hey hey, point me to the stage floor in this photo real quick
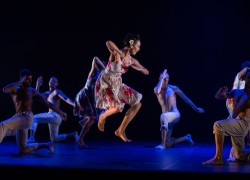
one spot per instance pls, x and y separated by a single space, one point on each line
114 157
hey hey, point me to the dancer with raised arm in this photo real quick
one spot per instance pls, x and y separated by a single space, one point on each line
166 95
111 93
85 106
23 95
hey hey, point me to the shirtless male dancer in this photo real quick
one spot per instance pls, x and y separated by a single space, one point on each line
166 95
23 95
54 120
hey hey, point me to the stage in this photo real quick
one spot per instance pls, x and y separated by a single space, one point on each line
114 158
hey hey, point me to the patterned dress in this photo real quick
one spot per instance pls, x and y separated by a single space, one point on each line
85 100
110 92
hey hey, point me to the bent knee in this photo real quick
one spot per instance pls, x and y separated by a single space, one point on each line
164 126
217 128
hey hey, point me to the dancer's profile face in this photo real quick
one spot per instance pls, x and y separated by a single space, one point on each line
53 82
135 47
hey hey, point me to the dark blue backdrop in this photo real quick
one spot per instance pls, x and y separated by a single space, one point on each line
201 43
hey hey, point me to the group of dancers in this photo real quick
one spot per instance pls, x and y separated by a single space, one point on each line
105 94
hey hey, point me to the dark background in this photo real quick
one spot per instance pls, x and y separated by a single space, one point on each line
201 43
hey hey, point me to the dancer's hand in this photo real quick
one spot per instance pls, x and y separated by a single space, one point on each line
223 89
39 81
165 72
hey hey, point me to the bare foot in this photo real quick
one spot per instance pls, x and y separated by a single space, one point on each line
160 147
82 144
190 141
51 147
213 162
31 140
122 136
232 159
101 122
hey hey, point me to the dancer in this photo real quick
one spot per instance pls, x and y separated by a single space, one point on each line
166 95
236 127
85 107
54 120
22 95
239 83
111 93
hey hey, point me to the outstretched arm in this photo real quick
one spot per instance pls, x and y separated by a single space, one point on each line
65 98
180 93
12 88
223 94
137 66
